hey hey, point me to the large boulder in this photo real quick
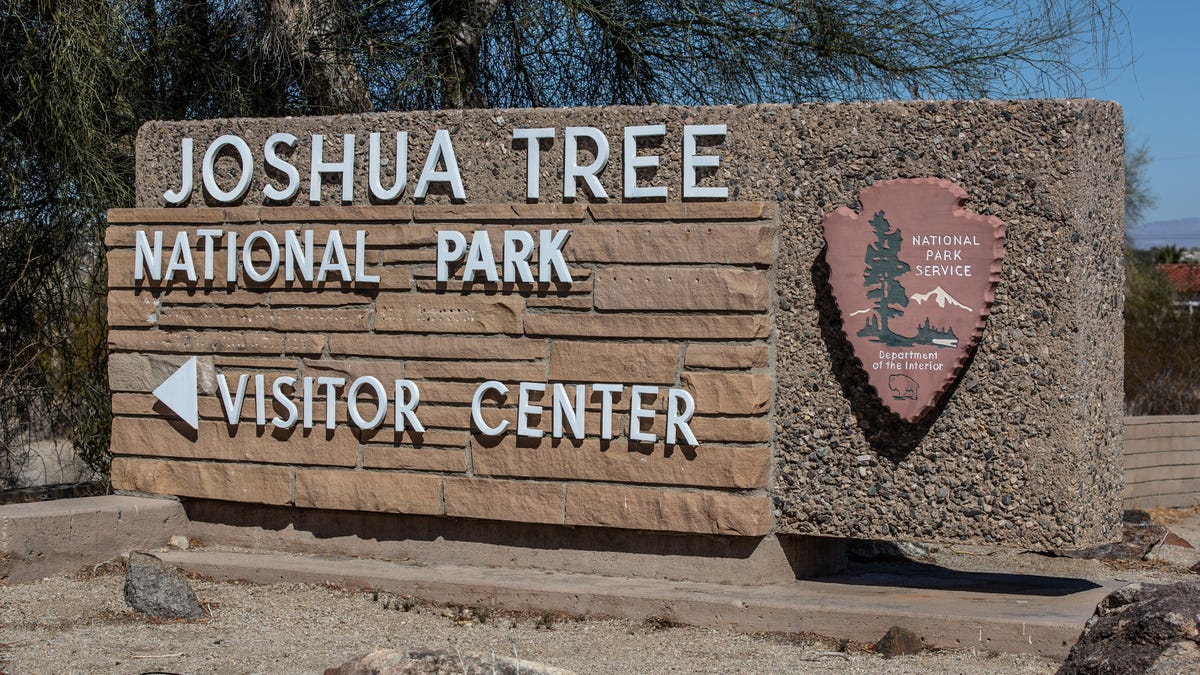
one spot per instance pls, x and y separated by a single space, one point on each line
156 588
430 662
1141 628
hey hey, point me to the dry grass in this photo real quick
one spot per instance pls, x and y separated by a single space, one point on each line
105 569
1166 516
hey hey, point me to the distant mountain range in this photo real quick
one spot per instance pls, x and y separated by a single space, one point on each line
940 296
1184 232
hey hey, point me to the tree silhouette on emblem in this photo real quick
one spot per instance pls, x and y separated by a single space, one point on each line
881 277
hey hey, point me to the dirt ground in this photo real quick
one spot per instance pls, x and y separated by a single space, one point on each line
80 624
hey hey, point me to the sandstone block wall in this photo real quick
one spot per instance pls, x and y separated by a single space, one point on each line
660 295
725 298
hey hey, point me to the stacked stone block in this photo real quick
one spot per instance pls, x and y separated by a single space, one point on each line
668 295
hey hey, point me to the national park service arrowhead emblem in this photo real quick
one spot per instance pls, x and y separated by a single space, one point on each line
914 276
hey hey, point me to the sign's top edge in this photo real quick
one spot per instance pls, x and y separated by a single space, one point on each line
450 114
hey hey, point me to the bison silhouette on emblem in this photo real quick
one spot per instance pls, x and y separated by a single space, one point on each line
902 387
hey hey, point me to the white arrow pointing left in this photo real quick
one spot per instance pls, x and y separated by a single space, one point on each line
178 392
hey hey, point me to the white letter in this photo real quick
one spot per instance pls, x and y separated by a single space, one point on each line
208 171
352 402
360 259
633 162
525 409
231 273
447 253
146 259
571 169
480 258
260 401
282 399
678 419
606 407
281 165
691 161
637 414
272 248
407 398
477 415
373 167
320 166
532 139
233 405
308 403
331 384
292 252
334 249
208 235
562 408
550 255
185 190
516 258
442 148
181 258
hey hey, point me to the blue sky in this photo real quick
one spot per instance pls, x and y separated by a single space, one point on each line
1160 93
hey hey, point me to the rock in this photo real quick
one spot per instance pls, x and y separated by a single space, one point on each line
1136 516
1176 540
1137 539
179 542
1180 658
1139 627
428 661
867 550
156 588
1178 556
899 642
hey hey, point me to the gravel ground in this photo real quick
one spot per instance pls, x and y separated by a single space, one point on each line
80 624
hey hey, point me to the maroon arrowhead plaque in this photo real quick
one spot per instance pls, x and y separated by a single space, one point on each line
914 276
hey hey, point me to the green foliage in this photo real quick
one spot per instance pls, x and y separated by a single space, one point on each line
198 59
77 80
514 53
1138 197
1167 255
1162 338
1162 344
64 164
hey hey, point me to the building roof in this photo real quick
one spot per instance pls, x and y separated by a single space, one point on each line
1185 277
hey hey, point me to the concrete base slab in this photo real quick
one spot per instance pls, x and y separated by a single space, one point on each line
1000 612
949 608
44 538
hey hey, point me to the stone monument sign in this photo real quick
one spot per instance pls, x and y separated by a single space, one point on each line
892 320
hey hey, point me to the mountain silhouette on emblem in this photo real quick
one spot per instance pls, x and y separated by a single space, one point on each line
940 296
